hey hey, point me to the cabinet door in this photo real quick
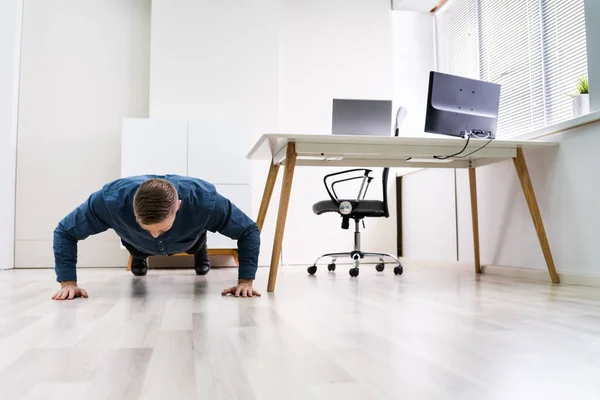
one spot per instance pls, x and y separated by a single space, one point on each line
240 196
153 147
217 151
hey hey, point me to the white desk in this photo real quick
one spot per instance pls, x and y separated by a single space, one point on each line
373 151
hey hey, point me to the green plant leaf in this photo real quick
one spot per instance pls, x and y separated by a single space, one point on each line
582 85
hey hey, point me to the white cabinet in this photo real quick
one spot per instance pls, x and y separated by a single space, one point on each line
211 150
153 147
217 152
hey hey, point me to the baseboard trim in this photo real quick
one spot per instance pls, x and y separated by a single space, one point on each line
515 272
566 278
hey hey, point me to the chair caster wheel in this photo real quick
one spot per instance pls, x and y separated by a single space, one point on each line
331 267
380 267
311 270
398 270
353 272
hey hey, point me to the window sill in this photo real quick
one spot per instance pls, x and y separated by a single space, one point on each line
560 127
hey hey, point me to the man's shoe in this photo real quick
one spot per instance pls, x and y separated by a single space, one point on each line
139 266
201 263
202 269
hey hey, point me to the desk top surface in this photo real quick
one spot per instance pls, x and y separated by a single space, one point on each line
386 151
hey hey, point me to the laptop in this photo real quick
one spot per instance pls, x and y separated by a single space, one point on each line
362 117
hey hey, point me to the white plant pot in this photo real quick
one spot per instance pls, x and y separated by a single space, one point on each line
581 105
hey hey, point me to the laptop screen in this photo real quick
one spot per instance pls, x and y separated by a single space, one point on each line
362 117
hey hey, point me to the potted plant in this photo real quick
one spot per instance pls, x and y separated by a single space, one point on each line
581 100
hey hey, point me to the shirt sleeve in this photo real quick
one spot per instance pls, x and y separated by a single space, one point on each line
230 221
87 219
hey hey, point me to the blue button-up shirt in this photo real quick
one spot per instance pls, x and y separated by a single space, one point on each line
202 209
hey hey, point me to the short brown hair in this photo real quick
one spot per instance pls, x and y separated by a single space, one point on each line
154 201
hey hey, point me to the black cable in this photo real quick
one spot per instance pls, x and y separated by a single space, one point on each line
483 135
455 154
475 151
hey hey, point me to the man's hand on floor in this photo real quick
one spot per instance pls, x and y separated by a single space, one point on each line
69 291
243 289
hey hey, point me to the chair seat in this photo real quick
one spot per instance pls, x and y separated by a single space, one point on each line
365 208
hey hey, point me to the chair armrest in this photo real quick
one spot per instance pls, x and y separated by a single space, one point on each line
346 180
330 187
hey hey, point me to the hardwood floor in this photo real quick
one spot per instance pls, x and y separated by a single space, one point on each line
432 333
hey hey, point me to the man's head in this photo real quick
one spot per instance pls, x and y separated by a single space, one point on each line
155 204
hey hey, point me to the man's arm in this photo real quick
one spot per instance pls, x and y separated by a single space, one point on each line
230 221
87 219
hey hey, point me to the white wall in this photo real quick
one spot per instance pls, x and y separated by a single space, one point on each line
219 61
592 16
414 58
10 46
428 205
331 49
215 60
428 217
84 67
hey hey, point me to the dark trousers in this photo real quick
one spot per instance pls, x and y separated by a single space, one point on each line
199 250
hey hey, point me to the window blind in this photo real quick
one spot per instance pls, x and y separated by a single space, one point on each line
565 52
536 49
456 32
511 55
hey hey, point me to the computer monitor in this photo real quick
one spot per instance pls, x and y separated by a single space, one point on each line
462 107
362 117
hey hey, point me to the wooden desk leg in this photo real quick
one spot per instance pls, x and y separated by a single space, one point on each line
286 188
267 193
475 217
129 263
236 258
534 210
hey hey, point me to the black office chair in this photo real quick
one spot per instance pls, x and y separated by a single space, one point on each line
357 209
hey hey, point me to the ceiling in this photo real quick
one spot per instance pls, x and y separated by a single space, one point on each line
414 5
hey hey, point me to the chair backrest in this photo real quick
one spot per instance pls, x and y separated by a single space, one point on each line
400 115
384 180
